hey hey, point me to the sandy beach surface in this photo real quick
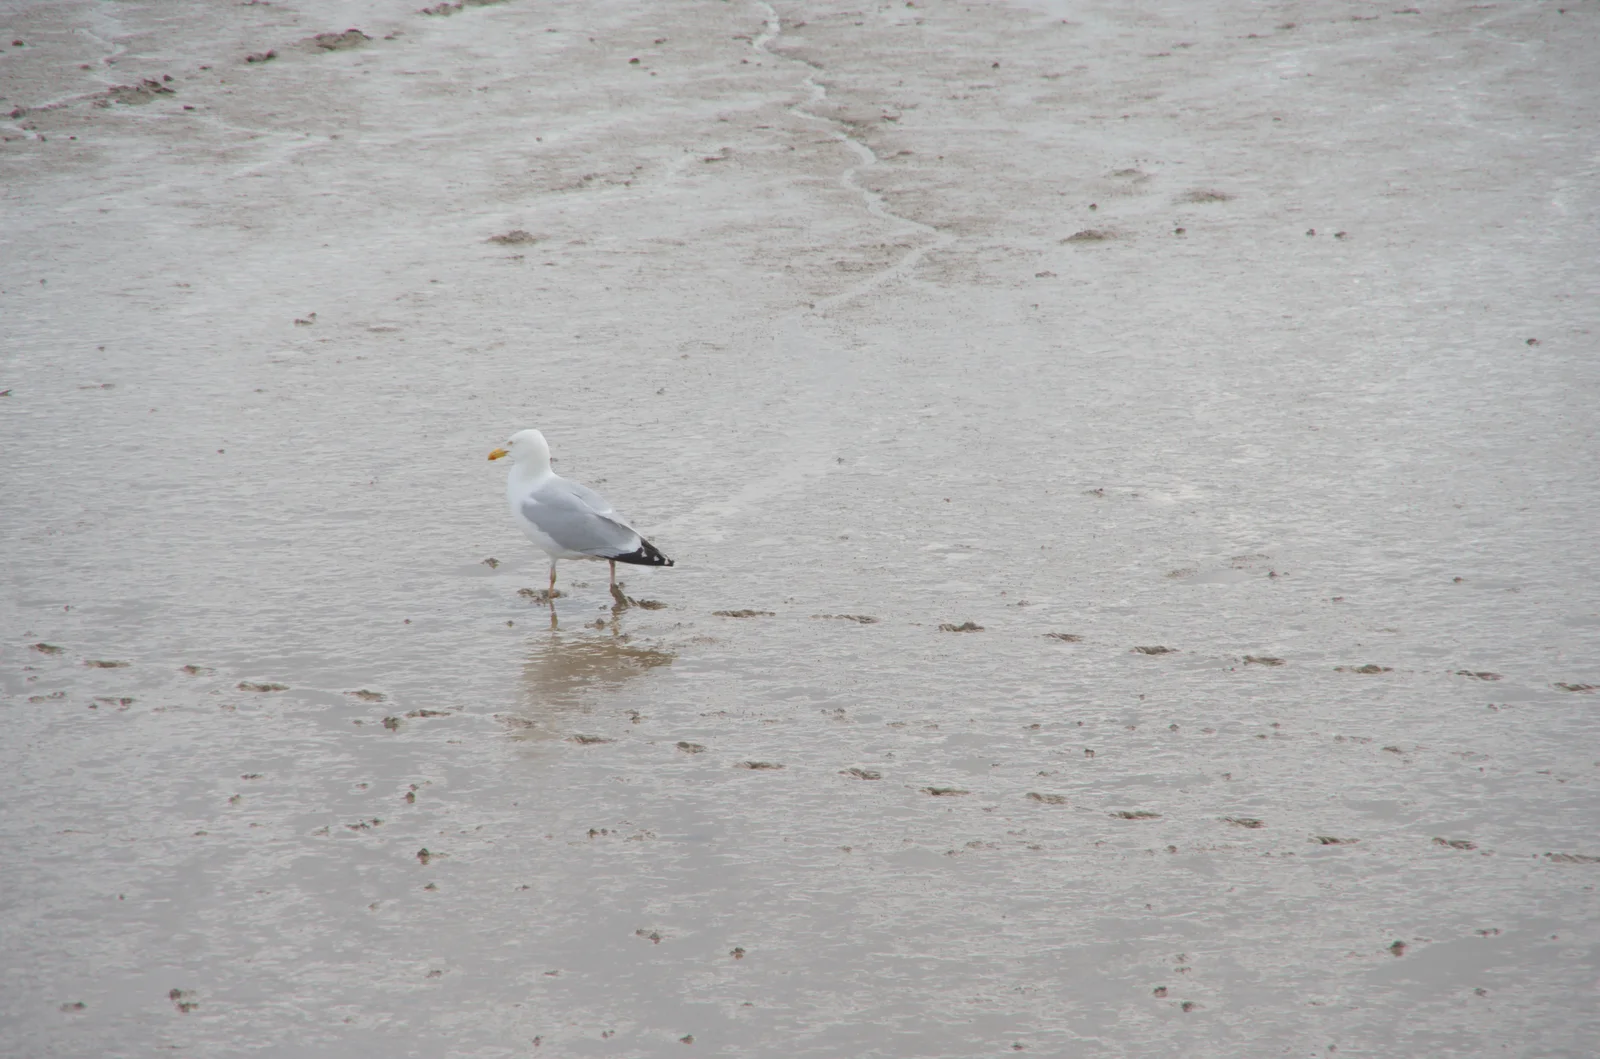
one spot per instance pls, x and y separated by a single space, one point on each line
1132 469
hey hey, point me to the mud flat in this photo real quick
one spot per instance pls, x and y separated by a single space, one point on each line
1226 376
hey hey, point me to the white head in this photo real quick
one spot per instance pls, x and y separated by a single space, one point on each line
528 449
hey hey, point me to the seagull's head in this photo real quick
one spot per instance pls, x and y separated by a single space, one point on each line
525 447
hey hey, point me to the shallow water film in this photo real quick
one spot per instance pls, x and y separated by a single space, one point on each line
1132 470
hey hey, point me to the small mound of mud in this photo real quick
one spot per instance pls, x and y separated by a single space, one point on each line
758 765
1047 799
1089 235
862 774
1455 843
1370 667
350 38
539 595
445 9
966 626
945 792
1064 637
646 604
195 671
859 619
45 648
515 237
1262 660
1244 821
96 663
1135 814
1206 195
1572 858
428 713
744 614
1156 649
589 740
246 685
1330 840
133 95
261 56
368 696
1478 676
690 748
1577 687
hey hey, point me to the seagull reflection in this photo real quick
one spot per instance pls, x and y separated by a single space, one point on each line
563 672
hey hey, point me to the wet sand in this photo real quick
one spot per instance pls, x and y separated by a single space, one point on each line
1132 472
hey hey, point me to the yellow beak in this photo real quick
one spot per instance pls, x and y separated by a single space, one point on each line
497 453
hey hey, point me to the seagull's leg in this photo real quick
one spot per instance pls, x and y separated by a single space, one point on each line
551 594
616 591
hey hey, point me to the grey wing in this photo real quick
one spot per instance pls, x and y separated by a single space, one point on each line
568 516
599 504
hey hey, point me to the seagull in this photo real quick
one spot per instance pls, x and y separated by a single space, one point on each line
567 520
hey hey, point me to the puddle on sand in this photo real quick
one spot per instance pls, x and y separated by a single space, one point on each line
567 671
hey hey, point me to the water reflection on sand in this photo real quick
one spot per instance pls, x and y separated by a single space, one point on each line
564 670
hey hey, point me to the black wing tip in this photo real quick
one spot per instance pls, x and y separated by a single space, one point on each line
647 554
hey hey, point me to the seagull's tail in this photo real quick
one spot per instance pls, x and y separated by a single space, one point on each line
646 554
